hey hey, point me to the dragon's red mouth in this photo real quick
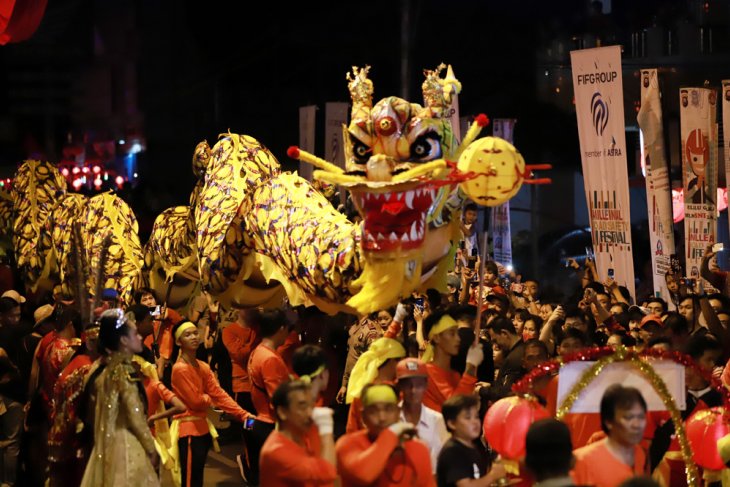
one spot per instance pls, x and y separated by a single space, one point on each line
394 220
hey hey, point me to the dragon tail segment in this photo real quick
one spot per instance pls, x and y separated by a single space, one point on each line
236 166
37 188
302 242
60 263
108 214
171 251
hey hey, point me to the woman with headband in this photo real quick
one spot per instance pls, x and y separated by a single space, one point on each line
124 451
191 433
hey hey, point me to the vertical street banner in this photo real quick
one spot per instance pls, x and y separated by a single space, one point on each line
726 128
658 191
307 121
698 132
335 117
599 106
499 218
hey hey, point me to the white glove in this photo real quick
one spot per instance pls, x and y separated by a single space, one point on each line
322 417
401 427
401 313
475 355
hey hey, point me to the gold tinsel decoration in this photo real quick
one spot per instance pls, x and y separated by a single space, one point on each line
624 355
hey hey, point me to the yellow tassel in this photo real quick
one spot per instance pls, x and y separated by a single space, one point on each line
337 178
310 158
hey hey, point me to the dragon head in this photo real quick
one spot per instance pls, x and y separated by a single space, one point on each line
394 152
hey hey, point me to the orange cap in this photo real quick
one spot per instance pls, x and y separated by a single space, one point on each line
649 318
410 367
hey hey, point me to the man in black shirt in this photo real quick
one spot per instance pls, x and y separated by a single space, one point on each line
464 460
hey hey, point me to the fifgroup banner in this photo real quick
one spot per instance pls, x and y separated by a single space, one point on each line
658 191
598 89
698 131
499 219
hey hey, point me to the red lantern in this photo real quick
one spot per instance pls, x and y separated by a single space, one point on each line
704 429
506 424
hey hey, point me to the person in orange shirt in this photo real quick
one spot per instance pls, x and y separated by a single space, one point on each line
267 371
386 453
191 433
443 344
376 366
292 456
164 320
609 462
240 339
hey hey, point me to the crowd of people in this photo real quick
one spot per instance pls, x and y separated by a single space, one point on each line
130 396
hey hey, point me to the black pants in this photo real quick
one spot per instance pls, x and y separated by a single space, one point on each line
198 450
255 439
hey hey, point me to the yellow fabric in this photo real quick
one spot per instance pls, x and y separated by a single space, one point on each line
444 324
175 452
379 393
183 328
162 427
366 368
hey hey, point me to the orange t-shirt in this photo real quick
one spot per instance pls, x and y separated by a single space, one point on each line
596 465
163 332
198 389
284 463
383 462
267 371
240 341
442 384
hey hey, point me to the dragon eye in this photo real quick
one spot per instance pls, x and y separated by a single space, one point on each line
361 152
427 147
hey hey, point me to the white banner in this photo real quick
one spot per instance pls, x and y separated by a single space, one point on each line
499 224
335 118
698 131
726 131
624 373
307 124
658 191
599 106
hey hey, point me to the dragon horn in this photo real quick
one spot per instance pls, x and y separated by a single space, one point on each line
361 92
438 93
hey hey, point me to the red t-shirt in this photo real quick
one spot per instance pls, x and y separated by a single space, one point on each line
240 341
442 384
383 462
284 463
267 371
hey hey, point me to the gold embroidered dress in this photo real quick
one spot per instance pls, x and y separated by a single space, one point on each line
122 439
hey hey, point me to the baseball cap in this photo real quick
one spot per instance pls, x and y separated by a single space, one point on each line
109 293
14 295
651 318
498 296
42 314
410 367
